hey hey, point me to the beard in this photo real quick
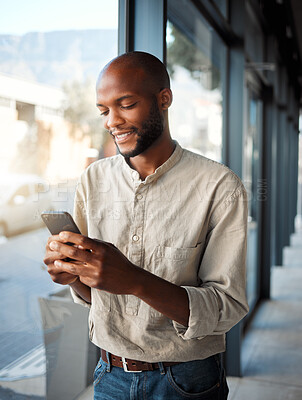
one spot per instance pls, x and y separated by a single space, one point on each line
151 130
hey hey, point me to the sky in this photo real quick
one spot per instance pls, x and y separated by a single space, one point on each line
21 16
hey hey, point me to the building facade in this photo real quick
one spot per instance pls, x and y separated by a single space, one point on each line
235 69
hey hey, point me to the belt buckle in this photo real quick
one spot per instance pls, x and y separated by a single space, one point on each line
125 366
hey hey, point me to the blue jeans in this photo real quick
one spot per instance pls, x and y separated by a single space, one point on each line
201 379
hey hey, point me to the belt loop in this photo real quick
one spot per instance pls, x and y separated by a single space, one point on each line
161 368
108 362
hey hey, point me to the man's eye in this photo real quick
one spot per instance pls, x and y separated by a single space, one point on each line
128 107
104 113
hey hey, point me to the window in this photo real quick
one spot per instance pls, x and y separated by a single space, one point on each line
222 6
256 188
196 60
50 130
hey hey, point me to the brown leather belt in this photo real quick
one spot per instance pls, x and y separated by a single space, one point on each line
132 365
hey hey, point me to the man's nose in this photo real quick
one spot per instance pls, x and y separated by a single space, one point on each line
113 120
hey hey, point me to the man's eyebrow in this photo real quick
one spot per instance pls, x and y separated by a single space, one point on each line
127 96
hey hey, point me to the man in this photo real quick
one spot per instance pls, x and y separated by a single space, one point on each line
165 275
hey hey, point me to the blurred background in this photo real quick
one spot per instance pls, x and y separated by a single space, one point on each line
236 76
50 131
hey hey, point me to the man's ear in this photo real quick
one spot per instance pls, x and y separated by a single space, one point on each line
165 98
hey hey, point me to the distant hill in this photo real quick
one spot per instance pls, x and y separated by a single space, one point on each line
58 56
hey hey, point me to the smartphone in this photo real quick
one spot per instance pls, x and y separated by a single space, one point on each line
58 221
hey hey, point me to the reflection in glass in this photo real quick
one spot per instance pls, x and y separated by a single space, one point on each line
195 60
50 130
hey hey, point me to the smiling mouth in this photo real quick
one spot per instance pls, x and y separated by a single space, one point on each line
122 136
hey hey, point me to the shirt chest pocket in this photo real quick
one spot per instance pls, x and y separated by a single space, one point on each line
176 265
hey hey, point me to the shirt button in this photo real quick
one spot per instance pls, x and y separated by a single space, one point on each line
139 196
135 175
135 238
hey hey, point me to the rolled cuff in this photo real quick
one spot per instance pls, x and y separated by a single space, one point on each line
204 314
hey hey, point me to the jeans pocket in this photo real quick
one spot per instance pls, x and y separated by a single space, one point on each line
196 379
99 372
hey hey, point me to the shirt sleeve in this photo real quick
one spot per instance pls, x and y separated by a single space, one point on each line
79 215
78 300
220 301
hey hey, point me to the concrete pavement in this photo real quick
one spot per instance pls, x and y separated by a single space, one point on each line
272 348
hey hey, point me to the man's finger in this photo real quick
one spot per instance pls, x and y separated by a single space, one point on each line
80 240
53 238
63 278
74 268
50 257
71 252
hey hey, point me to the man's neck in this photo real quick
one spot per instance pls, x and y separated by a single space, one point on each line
147 162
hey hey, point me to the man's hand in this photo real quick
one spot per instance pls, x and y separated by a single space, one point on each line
57 274
103 266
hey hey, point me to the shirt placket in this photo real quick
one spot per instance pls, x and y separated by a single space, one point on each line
136 234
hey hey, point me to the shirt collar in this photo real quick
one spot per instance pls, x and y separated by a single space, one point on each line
166 166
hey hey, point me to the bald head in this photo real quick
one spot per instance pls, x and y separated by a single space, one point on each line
150 69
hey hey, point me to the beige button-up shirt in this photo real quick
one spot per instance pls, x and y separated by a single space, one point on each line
185 223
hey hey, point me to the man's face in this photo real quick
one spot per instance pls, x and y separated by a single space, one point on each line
151 130
130 111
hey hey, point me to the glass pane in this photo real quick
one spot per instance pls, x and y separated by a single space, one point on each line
255 187
299 201
222 5
196 61
50 130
